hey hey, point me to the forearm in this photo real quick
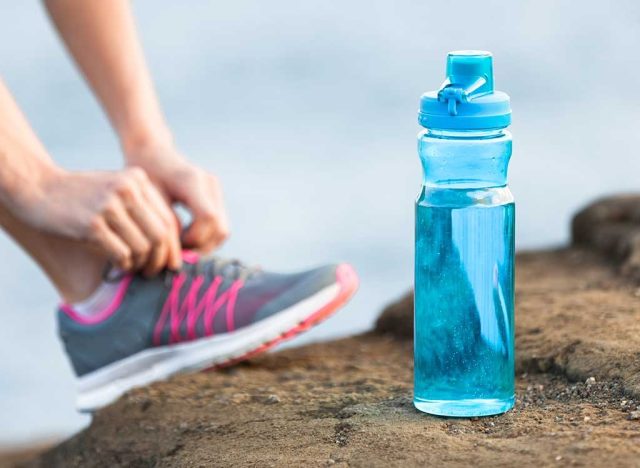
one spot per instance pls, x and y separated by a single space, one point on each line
101 36
24 162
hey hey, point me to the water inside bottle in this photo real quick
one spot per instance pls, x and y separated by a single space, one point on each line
464 305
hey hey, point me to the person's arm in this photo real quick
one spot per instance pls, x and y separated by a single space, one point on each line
121 214
102 38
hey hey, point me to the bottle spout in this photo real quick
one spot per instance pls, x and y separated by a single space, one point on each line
469 75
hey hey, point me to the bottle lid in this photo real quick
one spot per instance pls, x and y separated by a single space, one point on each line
466 100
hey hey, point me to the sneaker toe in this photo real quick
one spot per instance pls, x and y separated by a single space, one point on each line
303 286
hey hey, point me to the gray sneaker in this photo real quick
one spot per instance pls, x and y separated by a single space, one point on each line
211 313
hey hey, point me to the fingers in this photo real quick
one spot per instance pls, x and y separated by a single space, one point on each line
123 226
157 261
110 243
136 227
210 227
157 221
169 224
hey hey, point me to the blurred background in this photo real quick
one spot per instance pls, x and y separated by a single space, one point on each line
307 113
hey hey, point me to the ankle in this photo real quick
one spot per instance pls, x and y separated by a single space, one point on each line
99 301
75 275
75 289
74 269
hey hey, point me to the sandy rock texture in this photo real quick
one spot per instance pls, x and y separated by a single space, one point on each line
348 402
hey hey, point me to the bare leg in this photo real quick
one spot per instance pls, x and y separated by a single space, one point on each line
72 222
74 268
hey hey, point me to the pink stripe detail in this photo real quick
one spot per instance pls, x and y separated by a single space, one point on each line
190 309
231 304
215 306
190 256
170 304
176 318
106 312
346 277
210 309
197 309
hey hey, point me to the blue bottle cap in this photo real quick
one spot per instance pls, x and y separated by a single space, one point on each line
466 100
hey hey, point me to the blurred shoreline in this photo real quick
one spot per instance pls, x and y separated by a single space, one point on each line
15 455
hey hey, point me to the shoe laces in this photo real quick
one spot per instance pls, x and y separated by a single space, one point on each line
226 267
202 299
211 266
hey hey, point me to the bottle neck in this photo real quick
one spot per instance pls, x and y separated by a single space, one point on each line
465 134
465 158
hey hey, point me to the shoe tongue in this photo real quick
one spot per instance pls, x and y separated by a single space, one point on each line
233 269
111 274
229 270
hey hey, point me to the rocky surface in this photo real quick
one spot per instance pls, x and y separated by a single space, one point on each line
575 316
612 226
348 402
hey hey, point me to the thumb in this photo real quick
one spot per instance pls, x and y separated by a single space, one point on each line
209 226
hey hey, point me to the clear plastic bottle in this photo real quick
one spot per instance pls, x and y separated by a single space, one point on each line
464 253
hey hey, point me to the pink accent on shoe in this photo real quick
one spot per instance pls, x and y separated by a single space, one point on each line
105 313
210 310
229 296
190 256
176 318
231 304
191 309
346 277
171 303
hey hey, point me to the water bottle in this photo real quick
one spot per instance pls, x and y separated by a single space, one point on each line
464 252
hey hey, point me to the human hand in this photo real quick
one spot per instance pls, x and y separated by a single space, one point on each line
183 182
121 214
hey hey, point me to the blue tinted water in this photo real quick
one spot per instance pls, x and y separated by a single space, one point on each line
464 334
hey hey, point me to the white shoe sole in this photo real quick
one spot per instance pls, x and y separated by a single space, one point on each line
105 385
